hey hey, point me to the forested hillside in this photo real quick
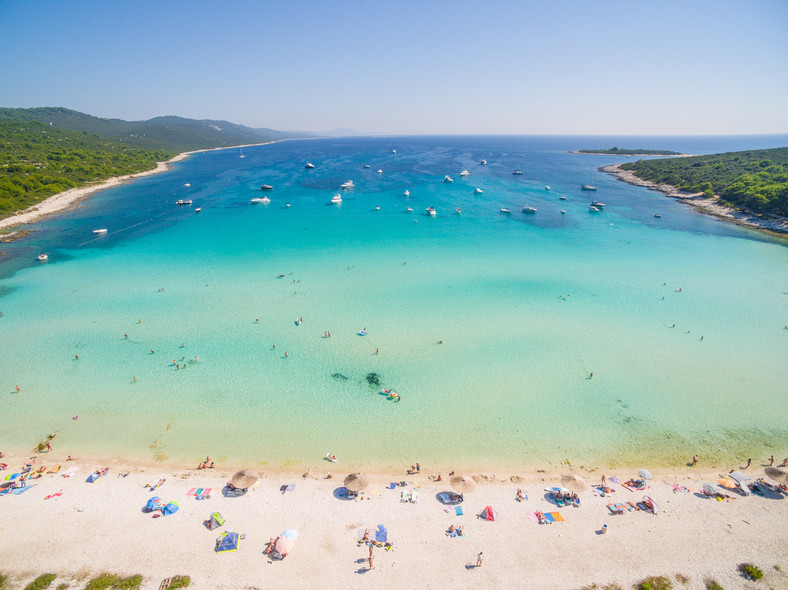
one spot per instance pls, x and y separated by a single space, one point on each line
38 160
756 179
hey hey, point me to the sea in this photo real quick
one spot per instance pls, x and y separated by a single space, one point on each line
266 335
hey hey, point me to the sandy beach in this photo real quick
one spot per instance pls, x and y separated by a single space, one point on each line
70 198
100 527
704 204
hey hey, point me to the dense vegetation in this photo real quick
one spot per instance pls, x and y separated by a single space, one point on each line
624 151
174 134
37 161
756 179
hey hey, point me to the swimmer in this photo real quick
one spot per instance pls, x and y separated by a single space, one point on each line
18 388
75 417
76 357
125 335
135 379
286 355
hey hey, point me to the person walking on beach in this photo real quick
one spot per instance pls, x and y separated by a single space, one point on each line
694 460
604 481
371 566
479 559
771 460
749 462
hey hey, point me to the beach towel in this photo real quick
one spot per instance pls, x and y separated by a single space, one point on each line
677 488
18 491
381 535
70 471
392 485
458 510
53 495
616 508
532 516
549 517
614 479
556 516
642 506
191 492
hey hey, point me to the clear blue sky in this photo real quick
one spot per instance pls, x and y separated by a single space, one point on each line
408 66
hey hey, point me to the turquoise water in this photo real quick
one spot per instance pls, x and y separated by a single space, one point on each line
487 325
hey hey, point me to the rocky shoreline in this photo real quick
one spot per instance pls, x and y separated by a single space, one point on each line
704 204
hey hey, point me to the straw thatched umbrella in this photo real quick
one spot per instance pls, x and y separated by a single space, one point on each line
356 482
574 483
244 478
462 483
778 475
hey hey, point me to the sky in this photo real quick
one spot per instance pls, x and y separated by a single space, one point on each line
408 66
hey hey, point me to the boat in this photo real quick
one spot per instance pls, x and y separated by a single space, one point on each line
242 153
657 215
183 202
547 187
465 173
100 231
587 187
563 212
448 178
198 210
260 200
266 187
187 185
478 191
431 211
597 204
406 193
377 207
528 209
331 457
562 198
336 199
43 257
287 205
506 211
593 209
309 165
380 171
518 172
348 184
408 209
484 162
366 166
393 151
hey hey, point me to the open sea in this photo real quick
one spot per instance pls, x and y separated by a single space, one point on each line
488 325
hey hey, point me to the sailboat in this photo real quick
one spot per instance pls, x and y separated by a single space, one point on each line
242 153
590 186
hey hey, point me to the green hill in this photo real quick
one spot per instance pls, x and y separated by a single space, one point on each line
38 160
755 179
175 134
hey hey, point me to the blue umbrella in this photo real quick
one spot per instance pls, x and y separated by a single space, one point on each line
645 473
290 534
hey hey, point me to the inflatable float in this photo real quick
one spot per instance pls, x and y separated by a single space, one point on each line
332 458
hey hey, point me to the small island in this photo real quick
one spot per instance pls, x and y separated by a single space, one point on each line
616 151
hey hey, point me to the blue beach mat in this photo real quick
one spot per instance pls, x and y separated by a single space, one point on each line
458 510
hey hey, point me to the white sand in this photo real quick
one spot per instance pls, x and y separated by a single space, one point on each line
100 527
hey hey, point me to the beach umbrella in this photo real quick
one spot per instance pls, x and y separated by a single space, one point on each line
284 545
290 534
574 483
356 482
462 483
244 478
170 508
739 476
645 473
726 483
778 475
710 489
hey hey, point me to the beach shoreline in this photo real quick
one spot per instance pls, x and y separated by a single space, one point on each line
777 226
101 527
72 197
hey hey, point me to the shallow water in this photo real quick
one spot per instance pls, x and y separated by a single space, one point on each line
489 326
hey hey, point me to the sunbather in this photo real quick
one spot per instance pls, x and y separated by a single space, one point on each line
270 547
520 496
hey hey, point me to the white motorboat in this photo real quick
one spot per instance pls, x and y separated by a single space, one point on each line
448 178
43 257
377 207
406 193
547 187
336 199
348 184
408 209
393 151
187 185
198 210
478 191
562 198
380 171
309 165
260 200
563 212
593 209
266 187
528 209
100 231
431 211
518 172
597 204
465 173
366 165
484 162
287 204
506 211
183 202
